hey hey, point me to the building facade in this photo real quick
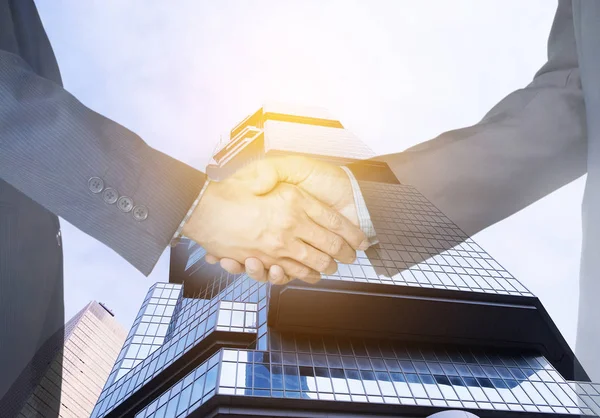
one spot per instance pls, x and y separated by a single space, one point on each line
423 322
92 340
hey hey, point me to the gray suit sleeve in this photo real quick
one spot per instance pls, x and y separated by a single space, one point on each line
528 145
51 145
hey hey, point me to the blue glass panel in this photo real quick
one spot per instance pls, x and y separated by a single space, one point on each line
184 400
262 376
277 377
197 390
171 407
211 379
292 380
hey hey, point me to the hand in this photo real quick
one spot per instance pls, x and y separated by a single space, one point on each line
328 183
285 227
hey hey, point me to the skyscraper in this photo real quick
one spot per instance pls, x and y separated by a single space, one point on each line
91 343
423 322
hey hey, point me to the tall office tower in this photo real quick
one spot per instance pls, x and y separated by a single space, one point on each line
92 341
424 322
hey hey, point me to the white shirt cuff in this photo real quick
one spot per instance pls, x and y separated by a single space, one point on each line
364 219
178 234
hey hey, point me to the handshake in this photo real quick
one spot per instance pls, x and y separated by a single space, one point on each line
278 219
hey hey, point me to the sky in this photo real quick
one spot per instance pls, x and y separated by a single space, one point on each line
396 73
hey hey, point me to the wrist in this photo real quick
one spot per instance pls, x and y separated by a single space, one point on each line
184 226
197 214
361 210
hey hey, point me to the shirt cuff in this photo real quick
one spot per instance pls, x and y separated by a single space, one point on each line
177 237
364 219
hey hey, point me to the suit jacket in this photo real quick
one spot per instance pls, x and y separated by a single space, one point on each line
531 143
528 145
59 158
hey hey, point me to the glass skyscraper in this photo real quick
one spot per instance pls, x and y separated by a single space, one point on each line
423 322
92 339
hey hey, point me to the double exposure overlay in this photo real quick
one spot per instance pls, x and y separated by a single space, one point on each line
422 322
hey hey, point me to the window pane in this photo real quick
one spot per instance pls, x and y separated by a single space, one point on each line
184 400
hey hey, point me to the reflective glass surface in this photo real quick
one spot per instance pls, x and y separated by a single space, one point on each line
384 372
149 328
418 246
239 305
187 394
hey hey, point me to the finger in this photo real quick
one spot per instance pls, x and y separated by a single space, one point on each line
327 242
262 176
295 270
333 221
310 257
277 275
278 281
256 269
211 259
231 266
290 169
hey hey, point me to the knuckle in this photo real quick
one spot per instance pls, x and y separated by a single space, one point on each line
323 262
290 194
335 220
277 242
335 245
302 272
287 222
303 255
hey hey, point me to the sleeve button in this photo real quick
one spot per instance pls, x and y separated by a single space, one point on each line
125 204
110 195
96 184
140 213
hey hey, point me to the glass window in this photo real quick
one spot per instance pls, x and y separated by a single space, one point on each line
161 412
334 361
349 362
319 360
211 380
184 400
172 407
307 378
407 366
435 368
228 374
400 384
460 387
430 386
546 393
322 378
291 376
445 387
533 393
385 384
355 382
363 363
338 379
277 377
378 364
368 378
415 386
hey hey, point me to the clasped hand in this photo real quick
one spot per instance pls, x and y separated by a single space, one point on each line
292 216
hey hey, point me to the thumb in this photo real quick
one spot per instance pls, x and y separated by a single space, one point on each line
264 179
272 171
260 178
264 175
